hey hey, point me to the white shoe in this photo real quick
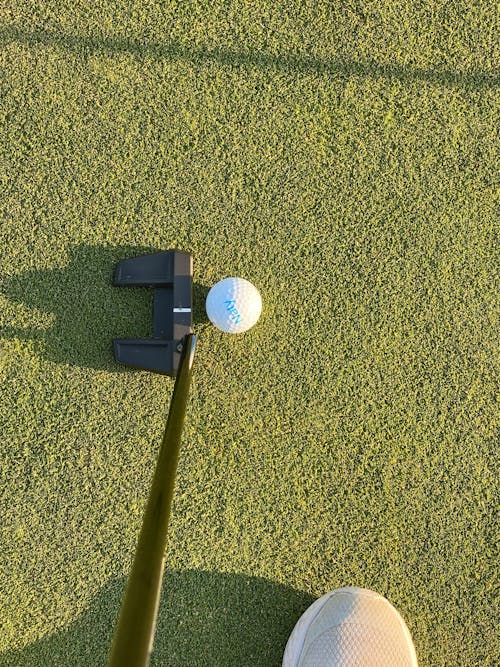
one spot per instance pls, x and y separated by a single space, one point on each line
350 627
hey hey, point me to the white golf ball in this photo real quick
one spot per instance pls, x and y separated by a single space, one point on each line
234 305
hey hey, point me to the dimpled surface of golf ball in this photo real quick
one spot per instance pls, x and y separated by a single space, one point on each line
234 305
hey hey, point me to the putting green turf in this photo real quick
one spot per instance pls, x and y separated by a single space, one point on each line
343 158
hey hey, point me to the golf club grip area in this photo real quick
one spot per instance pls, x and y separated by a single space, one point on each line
135 629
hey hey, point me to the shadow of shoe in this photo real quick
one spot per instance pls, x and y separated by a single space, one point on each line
206 619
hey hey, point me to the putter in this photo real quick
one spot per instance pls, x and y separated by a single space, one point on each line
170 274
135 629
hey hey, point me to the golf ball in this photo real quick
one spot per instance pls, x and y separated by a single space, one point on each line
234 305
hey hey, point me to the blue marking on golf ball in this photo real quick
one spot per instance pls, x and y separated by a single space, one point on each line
233 311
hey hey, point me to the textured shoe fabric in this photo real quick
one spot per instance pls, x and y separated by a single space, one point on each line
350 627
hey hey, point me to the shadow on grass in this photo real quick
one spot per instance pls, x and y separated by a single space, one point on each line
86 311
205 619
293 62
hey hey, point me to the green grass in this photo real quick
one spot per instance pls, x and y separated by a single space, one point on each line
342 157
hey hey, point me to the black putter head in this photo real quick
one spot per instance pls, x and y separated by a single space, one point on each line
170 273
